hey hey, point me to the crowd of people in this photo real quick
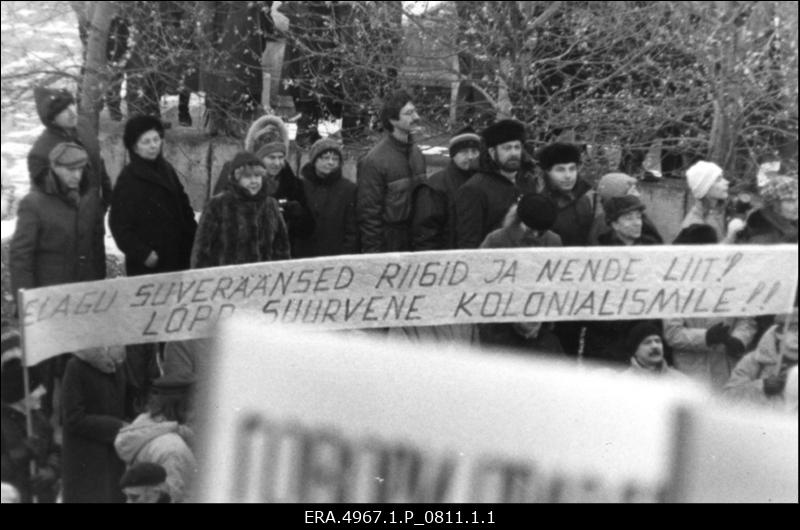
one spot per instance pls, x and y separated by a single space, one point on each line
126 413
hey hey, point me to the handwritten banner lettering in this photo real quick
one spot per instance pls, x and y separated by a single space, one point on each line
414 289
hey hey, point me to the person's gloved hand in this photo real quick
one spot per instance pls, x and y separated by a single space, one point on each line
774 384
717 334
734 347
293 209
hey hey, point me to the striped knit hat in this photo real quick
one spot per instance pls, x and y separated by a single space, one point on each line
464 139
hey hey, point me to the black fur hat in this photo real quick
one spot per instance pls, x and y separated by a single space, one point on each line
558 153
503 131
137 126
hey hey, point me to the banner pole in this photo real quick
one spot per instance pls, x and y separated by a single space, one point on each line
26 381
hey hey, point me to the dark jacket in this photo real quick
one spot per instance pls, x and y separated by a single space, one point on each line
434 213
94 412
290 195
576 211
39 161
766 227
59 236
387 175
19 450
484 200
512 335
605 340
237 228
150 211
332 201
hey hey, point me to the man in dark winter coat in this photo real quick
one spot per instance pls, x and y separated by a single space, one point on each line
506 173
332 200
387 176
575 198
433 221
59 115
151 218
59 237
241 224
94 412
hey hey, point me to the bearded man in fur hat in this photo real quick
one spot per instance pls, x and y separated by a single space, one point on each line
505 174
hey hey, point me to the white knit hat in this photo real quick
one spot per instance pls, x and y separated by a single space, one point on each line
701 177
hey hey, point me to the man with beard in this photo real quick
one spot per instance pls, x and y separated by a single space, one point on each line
432 225
387 175
506 173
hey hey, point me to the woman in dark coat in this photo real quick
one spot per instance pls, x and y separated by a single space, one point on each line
94 412
151 218
332 200
153 224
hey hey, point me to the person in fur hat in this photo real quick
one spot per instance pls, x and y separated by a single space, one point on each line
433 222
505 174
242 224
332 200
268 139
151 218
59 115
386 178
577 202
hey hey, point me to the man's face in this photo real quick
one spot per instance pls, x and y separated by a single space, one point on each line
408 119
466 159
563 176
507 156
70 178
628 226
274 163
67 118
142 494
650 352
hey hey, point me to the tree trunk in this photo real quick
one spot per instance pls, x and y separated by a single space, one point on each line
95 78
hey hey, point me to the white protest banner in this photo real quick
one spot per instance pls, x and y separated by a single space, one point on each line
325 417
735 455
416 289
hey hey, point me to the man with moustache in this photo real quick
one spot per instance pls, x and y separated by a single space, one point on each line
506 173
433 221
386 178
645 346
